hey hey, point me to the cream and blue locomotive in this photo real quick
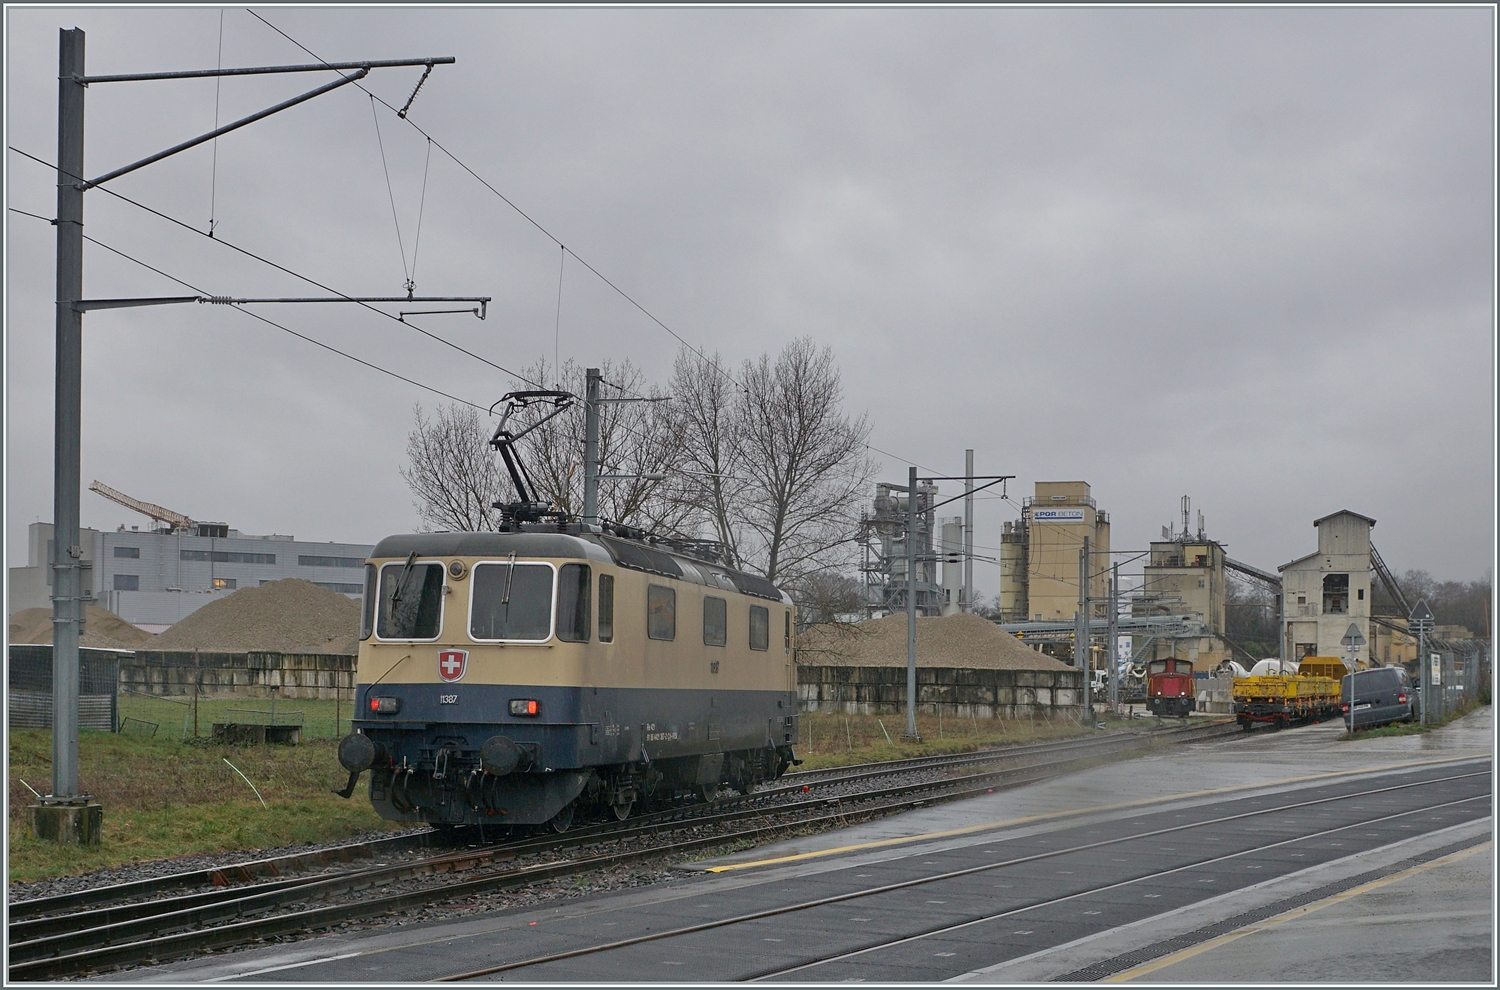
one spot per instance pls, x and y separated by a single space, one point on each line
522 677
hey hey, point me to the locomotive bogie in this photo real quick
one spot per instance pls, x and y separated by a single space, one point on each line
511 678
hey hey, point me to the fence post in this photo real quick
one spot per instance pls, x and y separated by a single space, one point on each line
197 679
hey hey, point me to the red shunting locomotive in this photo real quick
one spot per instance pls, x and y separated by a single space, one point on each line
1170 692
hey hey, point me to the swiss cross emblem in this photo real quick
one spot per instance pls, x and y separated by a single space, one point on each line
451 664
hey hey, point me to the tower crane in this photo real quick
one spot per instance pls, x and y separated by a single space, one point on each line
175 519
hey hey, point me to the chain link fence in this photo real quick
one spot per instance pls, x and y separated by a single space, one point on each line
28 702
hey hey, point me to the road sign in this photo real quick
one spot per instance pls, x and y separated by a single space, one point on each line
1353 637
1422 616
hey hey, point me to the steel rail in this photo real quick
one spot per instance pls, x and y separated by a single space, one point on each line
55 936
31 959
222 876
1101 888
217 876
969 871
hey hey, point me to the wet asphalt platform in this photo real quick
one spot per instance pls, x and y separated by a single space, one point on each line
1272 857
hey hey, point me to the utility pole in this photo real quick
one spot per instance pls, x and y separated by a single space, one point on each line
1081 631
966 602
65 815
1422 618
67 554
1114 637
591 448
911 605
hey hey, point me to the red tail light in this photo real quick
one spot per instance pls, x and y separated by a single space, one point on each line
525 706
385 706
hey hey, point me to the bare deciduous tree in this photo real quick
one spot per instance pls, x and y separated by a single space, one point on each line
707 416
452 471
804 460
769 465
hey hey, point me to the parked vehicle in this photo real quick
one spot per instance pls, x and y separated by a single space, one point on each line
1378 696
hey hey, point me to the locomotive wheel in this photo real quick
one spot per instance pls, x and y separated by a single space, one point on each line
564 818
622 811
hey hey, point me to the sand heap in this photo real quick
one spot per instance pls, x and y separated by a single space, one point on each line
963 641
101 629
287 616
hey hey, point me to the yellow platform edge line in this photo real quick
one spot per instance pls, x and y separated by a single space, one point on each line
1213 943
969 829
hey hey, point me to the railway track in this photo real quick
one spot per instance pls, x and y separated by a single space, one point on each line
154 920
806 967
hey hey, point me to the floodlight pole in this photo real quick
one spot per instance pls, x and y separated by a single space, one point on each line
67 554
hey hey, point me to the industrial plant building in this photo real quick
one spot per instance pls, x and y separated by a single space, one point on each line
1327 591
1040 554
153 578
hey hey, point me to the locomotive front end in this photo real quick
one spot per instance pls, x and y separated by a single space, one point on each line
468 699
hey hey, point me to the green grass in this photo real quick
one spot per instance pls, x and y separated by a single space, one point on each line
832 739
173 716
163 797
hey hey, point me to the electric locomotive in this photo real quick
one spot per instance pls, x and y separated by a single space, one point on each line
1170 692
522 676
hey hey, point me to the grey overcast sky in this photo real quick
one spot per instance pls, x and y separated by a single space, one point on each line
1246 255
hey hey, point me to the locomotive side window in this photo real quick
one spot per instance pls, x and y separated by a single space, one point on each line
411 601
512 602
760 628
606 608
367 607
661 612
573 603
786 643
715 621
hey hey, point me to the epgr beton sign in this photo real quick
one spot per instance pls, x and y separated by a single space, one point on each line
1056 515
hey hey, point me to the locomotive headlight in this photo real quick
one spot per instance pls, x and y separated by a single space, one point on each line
525 706
385 706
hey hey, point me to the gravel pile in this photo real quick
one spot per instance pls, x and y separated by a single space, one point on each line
964 641
287 616
101 629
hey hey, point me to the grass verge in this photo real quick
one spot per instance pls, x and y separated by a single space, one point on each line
164 797
832 739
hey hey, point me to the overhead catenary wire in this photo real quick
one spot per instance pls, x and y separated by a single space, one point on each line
288 271
213 185
390 192
697 351
327 347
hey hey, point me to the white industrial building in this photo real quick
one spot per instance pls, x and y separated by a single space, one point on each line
1324 592
155 577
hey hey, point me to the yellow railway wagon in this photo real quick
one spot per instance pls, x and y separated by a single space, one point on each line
1311 694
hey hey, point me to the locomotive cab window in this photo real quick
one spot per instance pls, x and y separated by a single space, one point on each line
367 606
573 603
606 608
760 628
715 621
511 602
661 612
786 642
411 601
